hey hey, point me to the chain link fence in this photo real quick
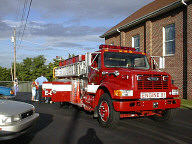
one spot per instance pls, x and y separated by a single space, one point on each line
24 86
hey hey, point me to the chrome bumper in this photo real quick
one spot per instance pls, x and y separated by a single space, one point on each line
15 129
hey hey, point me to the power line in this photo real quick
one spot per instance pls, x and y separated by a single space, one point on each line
25 22
22 19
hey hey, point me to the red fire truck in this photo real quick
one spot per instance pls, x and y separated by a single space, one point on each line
114 82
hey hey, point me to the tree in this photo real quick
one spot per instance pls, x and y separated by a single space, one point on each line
30 69
38 66
70 56
49 71
5 74
24 69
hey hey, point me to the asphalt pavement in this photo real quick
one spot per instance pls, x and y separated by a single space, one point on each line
75 126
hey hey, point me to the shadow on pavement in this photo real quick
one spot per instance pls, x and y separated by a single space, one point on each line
43 121
68 136
90 138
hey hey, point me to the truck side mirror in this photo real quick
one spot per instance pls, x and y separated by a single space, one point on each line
88 59
161 62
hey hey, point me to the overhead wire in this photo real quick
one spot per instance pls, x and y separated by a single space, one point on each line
21 21
25 23
22 26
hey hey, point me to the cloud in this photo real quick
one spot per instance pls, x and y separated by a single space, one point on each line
80 9
7 8
59 26
66 44
54 34
5 59
59 30
94 9
5 30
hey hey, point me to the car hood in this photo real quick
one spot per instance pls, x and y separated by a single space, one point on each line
8 107
4 88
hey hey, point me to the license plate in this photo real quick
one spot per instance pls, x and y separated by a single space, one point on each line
145 95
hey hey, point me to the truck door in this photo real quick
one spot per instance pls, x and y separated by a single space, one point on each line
95 76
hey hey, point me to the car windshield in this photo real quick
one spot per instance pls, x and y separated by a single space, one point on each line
125 60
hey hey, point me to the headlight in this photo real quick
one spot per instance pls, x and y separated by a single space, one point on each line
10 119
123 92
175 92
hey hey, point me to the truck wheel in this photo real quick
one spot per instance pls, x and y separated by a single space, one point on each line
166 116
107 116
63 105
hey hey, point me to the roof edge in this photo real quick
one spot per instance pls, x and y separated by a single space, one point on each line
141 19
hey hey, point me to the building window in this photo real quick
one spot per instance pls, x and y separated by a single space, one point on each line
169 40
136 42
112 43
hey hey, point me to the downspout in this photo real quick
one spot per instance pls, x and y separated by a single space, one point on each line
185 56
119 35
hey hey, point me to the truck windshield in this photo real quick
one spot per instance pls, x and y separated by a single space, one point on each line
125 60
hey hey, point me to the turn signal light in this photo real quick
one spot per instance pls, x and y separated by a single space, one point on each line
117 93
123 92
11 92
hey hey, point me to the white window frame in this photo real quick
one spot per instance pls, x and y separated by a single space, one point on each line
164 40
133 42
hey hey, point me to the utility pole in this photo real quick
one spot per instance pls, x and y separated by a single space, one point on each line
14 53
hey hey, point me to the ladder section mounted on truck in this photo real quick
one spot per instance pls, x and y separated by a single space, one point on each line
74 67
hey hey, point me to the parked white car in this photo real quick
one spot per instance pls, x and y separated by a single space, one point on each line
15 118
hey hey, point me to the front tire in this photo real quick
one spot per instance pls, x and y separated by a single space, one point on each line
107 117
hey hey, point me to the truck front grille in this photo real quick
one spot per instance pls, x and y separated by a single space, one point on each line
147 83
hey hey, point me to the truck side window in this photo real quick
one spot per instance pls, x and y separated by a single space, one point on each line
99 61
139 62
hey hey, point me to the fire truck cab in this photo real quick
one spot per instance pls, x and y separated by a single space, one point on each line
114 82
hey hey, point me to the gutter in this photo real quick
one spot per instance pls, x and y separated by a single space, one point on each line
150 15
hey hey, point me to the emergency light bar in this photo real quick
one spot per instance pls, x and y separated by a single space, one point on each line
116 47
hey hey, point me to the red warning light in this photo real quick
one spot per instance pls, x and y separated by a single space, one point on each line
116 47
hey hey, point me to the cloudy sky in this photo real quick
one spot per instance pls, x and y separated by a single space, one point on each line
58 27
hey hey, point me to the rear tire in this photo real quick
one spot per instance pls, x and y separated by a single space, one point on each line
165 117
107 116
61 104
64 105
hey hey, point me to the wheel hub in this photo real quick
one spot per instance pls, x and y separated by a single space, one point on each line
104 111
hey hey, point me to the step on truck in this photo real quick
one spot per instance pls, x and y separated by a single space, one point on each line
114 82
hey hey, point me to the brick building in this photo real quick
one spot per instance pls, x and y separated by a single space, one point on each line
161 28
